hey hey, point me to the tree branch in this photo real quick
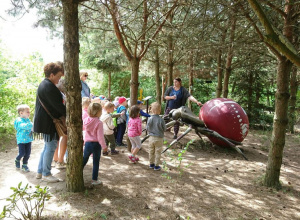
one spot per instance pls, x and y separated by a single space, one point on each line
158 29
114 13
276 8
273 37
261 36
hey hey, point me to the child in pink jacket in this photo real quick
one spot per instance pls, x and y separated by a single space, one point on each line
134 132
94 139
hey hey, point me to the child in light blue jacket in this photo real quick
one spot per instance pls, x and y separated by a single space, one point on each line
23 125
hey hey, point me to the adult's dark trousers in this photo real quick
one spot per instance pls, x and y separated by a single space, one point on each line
24 151
121 128
95 149
176 125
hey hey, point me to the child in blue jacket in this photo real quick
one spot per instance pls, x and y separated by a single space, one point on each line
23 125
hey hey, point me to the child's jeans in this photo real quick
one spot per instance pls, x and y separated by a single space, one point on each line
121 128
155 148
24 151
95 149
110 139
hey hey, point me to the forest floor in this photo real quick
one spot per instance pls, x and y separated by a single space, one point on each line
215 183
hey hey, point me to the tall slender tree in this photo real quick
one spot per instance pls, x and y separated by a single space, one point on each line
74 173
135 30
281 45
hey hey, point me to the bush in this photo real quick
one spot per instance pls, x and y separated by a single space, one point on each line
28 204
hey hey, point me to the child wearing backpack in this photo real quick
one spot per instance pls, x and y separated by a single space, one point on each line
94 139
108 127
23 125
121 121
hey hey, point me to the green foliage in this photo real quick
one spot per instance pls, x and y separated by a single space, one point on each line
26 202
119 87
18 84
102 64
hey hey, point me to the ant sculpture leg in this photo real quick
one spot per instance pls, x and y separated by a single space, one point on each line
178 139
207 132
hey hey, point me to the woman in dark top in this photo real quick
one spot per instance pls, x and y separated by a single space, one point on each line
51 98
176 97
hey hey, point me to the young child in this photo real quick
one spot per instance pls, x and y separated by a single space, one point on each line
23 125
121 121
156 127
94 139
134 132
108 127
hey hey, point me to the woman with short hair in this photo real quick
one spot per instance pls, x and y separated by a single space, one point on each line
49 97
176 97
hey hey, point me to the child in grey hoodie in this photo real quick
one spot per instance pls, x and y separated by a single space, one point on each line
156 127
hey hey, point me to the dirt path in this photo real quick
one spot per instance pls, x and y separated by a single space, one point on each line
216 183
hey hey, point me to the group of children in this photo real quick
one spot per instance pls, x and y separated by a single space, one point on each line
104 124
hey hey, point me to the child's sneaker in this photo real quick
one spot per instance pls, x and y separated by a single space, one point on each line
60 165
132 158
157 168
25 168
137 159
121 145
151 166
105 153
17 163
53 163
96 182
114 152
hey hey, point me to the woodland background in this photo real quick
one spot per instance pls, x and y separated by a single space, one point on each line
243 50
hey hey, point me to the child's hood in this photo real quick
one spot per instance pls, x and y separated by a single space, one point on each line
91 122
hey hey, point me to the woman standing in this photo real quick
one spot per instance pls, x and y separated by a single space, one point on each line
176 97
49 97
85 91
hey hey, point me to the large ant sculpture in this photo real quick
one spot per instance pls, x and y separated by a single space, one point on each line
185 116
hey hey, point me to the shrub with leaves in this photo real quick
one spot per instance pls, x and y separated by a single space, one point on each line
26 203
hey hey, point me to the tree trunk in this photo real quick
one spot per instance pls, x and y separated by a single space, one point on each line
191 80
163 86
170 61
250 94
134 82
233 86
257 94
74 175
279 124
229 56
220 74
220 64
157 79
293 99
109 85
282 95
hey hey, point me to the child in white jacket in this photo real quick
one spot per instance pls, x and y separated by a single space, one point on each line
108 127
